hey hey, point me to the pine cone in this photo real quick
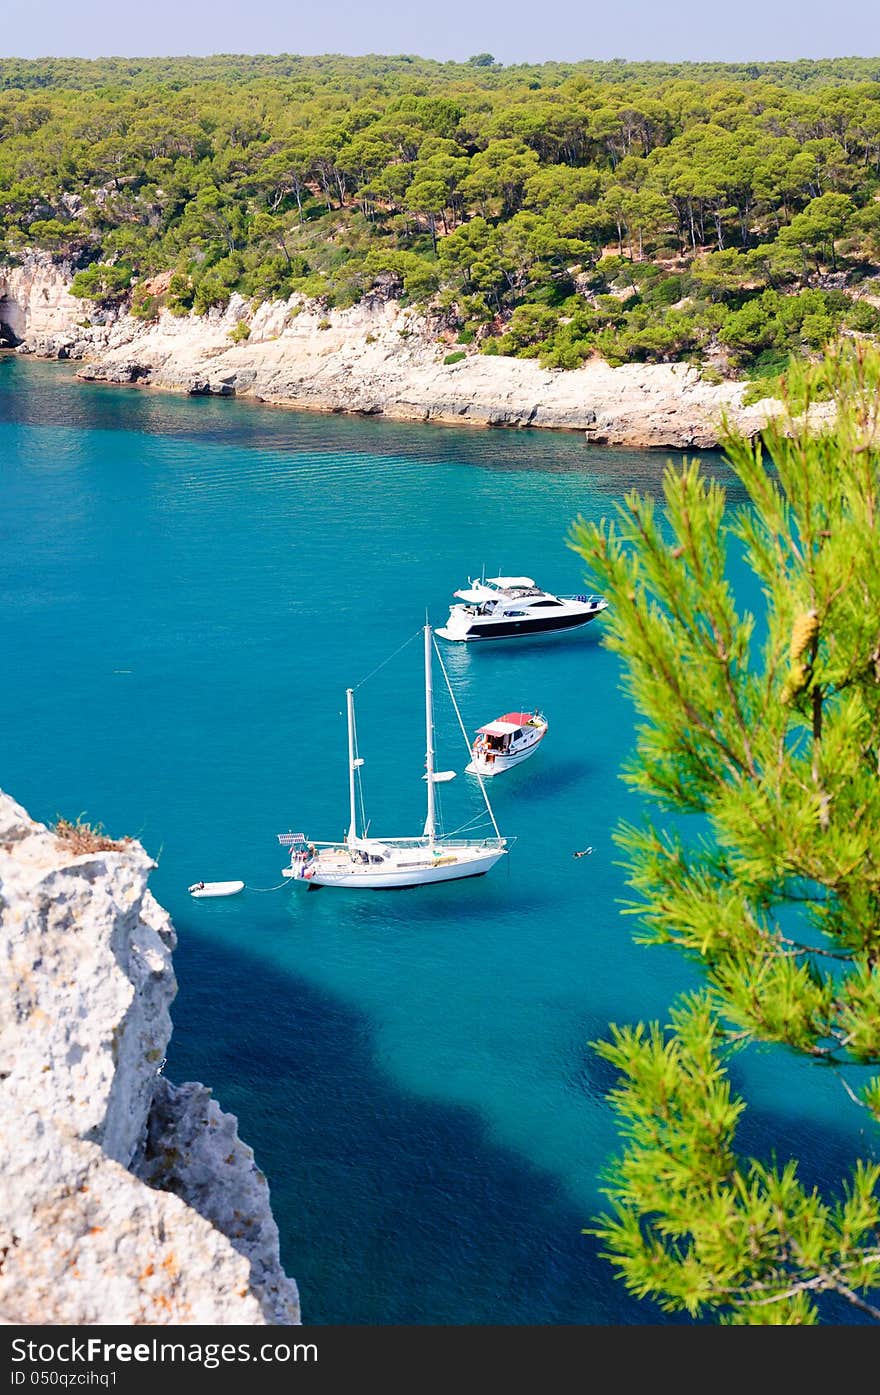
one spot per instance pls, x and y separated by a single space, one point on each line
795 682
803 632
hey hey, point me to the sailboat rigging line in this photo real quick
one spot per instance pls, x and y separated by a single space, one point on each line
465 735
379 667
469 825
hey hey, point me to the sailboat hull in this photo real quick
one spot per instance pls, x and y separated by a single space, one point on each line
340 870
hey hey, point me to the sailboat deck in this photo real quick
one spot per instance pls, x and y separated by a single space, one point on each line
490 841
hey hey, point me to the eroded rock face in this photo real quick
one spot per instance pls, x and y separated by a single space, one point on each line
96 1223
379 359
375 358
193 1150
87 1243
40 315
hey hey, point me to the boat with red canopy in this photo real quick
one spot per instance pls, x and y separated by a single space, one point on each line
506 742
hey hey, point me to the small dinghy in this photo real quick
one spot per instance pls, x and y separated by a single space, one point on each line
215 888
506 742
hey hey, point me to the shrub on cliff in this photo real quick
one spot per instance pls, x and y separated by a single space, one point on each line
418 277
56 235
180 294
79 836
210 294
101 282
145 306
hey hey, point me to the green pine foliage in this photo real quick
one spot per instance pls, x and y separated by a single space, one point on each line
761 734
101 281
643 212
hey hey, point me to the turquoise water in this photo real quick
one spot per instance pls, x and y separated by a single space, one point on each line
187 589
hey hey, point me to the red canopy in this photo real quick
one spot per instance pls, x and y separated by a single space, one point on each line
502 726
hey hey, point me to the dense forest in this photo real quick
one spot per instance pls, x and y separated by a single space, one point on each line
728 214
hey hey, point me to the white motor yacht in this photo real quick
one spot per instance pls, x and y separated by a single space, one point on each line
504 607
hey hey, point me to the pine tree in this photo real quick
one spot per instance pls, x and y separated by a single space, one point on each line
767 729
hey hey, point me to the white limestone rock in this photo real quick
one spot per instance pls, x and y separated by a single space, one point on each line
378 358
85 1242
41 315
375 358
86 981
193 1149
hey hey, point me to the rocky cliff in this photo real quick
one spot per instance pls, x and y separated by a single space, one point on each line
123 1198
38 313
376 358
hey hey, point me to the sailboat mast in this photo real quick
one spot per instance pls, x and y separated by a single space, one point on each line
430 820
352 826
480 781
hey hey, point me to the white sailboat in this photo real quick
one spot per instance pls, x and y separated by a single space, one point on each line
361 862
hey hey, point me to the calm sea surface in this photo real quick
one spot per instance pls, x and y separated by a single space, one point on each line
186 590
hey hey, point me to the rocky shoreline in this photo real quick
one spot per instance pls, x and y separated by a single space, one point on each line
124 1199
375 359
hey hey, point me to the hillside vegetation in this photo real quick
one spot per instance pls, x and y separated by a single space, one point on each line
643 212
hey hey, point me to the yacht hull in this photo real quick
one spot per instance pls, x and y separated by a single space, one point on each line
480 766
511 629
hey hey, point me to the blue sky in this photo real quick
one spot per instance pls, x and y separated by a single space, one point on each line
513 30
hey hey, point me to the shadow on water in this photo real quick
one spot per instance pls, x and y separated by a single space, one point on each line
550 781
458 1231
589 1073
